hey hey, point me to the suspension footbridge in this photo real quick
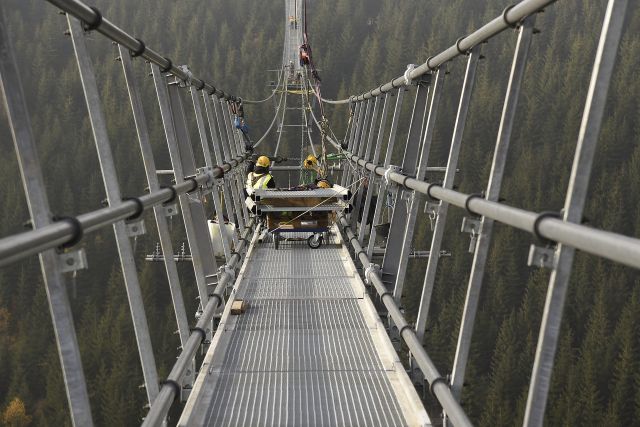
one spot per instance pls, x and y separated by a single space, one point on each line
293 333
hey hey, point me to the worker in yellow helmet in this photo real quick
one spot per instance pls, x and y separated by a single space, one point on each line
260 178
311 162
323 183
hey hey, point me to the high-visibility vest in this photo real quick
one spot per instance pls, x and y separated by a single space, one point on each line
258 181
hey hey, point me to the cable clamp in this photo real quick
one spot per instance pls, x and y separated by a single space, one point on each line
140 50
407 74
372 268
95 22
177 388
387 174
77 230
208 172
225 269
185 69
436 381
543 254
71 261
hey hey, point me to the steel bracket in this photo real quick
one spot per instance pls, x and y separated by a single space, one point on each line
171 210
543 257
135 228
372 268
73 260
206 171
473 227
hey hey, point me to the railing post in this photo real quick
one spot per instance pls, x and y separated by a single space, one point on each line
449 178
229 178
355 124
364 151
493 193
236 178
391 260
441 209
209 163
355 110
372 176
160 212
39 210
112 190
223 184
162 92
573 209
202 248
382 193
416 198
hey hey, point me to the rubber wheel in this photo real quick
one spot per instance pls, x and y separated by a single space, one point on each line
314 241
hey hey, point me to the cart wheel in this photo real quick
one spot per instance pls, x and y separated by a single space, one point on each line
314 241
276 240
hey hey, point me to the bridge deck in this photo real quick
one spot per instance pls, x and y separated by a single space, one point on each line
310 349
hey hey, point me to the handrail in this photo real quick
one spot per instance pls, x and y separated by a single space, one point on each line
93 20
510 17
19 246
437 384
605 244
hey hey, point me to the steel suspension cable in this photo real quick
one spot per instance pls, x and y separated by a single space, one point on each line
275 116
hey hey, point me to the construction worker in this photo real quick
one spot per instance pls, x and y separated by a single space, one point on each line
309 171
311 162
323 183
260 178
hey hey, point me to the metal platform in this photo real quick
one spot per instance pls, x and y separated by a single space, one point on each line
309 350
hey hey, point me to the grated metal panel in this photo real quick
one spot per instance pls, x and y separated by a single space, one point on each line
301 314
296 262
315 398
335 287
303 353
270 350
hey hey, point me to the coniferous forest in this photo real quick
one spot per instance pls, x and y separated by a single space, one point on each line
357 45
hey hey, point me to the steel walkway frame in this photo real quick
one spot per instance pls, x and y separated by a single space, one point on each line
310 342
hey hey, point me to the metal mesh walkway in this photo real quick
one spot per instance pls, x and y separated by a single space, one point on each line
309 350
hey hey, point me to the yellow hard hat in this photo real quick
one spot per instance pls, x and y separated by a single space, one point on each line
311 161
323 183
263 161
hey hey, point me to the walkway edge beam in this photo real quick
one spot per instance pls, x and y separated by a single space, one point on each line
168 391
508 19
19 246
437 384
92 17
